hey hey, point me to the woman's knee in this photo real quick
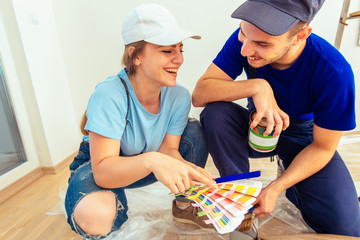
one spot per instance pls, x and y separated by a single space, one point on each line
95 213
193 129
192 145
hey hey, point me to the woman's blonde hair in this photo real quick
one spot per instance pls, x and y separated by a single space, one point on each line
128 59
128 62
83 123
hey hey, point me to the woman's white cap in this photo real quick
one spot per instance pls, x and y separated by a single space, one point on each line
154 24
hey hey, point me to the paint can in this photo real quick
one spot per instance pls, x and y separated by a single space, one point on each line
257 140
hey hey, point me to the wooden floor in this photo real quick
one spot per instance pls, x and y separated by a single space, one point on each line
27 215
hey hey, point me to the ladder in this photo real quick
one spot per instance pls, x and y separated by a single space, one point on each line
342 22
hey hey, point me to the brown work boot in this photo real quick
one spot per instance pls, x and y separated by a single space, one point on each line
189 215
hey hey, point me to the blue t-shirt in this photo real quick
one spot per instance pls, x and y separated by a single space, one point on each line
145 131
319 86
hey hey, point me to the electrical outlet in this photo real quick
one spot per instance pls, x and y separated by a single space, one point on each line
33 18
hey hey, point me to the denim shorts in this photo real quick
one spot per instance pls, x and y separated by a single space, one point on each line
81 182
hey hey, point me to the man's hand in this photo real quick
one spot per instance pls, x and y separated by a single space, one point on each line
266 201
266 107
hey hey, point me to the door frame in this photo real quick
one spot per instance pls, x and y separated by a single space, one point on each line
19 110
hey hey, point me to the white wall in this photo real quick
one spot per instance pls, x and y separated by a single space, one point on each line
69 46
44 57
90 37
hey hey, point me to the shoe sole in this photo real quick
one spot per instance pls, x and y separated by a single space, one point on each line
182 220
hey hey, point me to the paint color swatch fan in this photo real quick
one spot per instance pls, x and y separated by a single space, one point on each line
226 205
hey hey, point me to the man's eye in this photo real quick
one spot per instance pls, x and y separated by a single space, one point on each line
165 51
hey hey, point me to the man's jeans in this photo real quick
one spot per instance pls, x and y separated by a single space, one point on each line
327 199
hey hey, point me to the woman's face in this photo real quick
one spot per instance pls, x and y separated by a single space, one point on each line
160 64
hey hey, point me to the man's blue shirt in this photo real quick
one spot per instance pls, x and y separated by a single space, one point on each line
319 86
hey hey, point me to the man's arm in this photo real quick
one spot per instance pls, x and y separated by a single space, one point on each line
309 161
216 85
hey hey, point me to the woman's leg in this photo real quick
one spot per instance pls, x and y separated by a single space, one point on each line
192 145
193 149
93 212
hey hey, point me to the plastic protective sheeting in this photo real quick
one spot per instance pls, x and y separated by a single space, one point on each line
60 207
150 217
287 213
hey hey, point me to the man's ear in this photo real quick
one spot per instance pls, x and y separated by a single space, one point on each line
302 35
130 52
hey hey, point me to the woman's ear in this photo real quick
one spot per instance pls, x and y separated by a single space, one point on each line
136 59
302 35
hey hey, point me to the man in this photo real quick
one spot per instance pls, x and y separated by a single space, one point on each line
301 85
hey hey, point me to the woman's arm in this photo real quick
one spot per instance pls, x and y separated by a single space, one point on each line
170 147
114 171
111 170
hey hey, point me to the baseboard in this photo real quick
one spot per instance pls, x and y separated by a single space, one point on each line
347 133
60 166
20 184
32 177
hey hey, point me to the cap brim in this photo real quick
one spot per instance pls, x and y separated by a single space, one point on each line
172 37
265 17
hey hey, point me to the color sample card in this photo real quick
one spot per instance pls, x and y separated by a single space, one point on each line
226 205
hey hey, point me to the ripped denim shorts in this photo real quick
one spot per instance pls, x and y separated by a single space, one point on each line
82 183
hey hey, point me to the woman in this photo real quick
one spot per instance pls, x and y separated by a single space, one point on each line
138 130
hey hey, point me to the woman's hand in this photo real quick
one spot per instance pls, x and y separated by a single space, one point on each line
266 107
175 174
204 172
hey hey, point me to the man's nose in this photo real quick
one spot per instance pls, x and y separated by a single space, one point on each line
247 49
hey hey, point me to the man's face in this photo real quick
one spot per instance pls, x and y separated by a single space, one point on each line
262 49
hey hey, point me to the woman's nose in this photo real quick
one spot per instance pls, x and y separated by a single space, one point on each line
178 58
